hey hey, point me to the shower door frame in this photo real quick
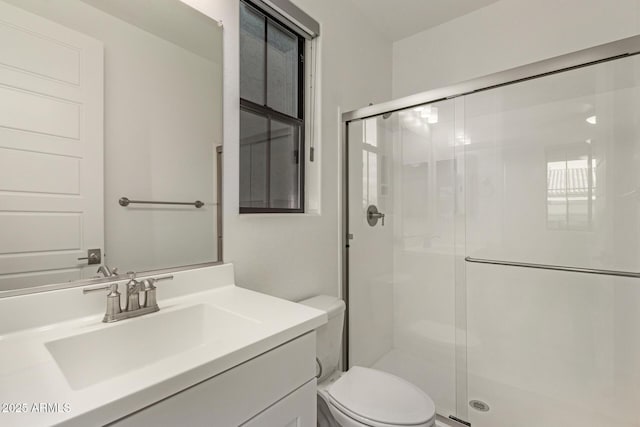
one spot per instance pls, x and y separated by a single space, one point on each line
619 49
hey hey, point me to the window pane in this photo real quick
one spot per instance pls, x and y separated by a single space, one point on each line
253 160
251 54
285 166
282 70
556 194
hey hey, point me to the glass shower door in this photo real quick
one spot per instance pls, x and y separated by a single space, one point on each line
402 267
543 173
552 178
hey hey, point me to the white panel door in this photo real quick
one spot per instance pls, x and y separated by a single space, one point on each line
51 150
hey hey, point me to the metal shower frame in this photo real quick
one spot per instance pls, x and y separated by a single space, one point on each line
619 49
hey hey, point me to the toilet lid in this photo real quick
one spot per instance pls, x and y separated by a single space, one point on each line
381 397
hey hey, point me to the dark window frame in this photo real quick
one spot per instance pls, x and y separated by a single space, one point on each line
270 113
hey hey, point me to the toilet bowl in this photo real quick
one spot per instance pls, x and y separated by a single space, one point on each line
368 397
361 397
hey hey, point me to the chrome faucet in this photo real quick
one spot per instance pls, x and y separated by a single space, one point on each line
106 271
132 308
113 303
150 292
133 292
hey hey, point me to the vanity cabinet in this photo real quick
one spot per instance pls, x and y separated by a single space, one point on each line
274 389
295 410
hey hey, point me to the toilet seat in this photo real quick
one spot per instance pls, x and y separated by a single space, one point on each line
378 399
353 420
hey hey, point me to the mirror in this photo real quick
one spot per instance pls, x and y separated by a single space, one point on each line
106 105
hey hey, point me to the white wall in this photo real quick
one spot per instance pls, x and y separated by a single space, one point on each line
507 34
294 256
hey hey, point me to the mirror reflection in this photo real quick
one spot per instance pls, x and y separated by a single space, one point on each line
102 100
552 161
571 187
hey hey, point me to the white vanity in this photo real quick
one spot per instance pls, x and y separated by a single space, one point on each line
215 354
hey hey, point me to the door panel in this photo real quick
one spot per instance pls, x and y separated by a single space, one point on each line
402 298
371 249
51 150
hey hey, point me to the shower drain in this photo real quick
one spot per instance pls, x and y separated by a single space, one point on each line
479 405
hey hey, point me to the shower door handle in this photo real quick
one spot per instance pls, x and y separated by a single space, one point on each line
373 215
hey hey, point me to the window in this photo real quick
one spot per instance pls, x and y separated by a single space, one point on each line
571 187
369 162
271 114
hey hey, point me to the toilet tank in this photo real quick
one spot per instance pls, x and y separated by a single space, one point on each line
329 335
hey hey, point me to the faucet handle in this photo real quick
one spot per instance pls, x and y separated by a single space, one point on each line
106 271
149 284
150 291
153 280
113 300
133 285
111 287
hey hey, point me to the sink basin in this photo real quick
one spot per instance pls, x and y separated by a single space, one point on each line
92 357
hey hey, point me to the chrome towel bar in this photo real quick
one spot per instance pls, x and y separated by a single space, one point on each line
554 267
126 202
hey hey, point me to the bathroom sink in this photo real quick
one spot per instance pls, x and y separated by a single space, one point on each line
92 357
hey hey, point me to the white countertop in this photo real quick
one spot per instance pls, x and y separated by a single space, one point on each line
29 375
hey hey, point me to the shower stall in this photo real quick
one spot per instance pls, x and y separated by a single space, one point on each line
492 242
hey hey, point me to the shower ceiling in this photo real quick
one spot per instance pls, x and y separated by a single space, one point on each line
403 18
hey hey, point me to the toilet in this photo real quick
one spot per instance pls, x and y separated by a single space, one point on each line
361 397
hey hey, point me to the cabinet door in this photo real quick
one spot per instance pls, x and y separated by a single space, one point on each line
297 409
237 395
